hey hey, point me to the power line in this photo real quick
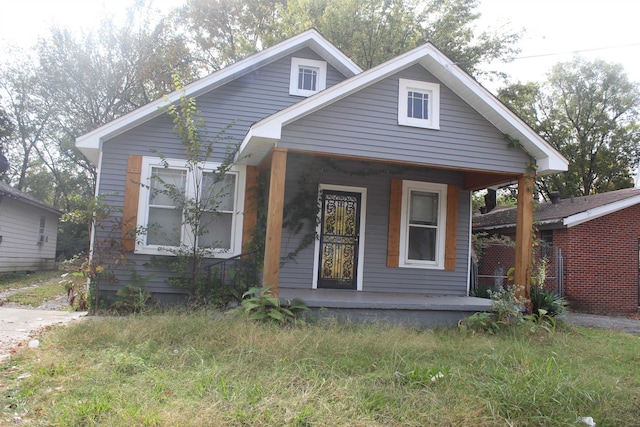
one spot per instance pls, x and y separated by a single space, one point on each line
576 51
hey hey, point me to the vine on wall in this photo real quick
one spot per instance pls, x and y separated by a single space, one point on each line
302 210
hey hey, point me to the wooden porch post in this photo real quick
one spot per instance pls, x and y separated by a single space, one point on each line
524 235
273 237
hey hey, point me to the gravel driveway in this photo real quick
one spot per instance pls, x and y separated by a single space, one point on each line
620 324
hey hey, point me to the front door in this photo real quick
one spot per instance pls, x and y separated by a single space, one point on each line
339 239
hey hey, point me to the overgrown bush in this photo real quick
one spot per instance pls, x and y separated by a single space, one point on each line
507 311
543 299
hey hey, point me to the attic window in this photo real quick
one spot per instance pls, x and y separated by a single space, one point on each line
308 76
419 104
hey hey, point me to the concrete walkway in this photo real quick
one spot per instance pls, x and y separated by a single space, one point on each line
19 324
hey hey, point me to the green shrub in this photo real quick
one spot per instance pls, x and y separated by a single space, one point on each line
260 304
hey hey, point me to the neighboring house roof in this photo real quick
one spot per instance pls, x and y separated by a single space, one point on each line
90 144
565 213
265 134
12 193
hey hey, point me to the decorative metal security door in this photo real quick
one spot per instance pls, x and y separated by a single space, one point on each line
339 238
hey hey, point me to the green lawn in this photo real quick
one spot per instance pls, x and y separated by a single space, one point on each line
35 297
193 370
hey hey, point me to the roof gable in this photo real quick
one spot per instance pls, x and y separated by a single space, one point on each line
366 124
90 144
264 135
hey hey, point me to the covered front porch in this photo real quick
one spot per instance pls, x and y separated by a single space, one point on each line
390 296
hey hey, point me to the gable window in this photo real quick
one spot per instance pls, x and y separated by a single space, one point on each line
419 104
422 224
308 76
165 225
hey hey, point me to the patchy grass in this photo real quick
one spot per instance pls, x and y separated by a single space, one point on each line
23 280
35 297
221 370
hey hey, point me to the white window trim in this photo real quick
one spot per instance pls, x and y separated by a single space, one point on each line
433 89
321 83
363 217
187 235
407 188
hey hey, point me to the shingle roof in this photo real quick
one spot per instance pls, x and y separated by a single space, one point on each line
8 191
565 213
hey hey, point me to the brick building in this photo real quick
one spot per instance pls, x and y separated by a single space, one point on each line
599 236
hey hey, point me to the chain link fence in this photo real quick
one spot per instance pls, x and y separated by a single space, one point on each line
494 257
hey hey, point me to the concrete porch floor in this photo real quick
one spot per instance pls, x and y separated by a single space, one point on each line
413 309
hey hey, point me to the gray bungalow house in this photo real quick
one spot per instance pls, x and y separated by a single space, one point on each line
28 232
390 154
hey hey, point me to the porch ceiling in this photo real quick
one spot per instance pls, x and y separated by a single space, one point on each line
473 179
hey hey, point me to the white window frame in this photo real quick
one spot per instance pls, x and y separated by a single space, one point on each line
296 64
148 163
407 188
433 90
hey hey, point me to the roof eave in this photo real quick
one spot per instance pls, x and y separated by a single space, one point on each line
590 214
90 144
548 159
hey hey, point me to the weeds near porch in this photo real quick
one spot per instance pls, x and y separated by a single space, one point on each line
260 304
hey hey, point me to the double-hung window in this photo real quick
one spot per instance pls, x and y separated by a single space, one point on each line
422 224
308 76
419 104
168 191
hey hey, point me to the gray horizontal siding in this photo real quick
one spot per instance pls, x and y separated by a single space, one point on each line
20 231
377 277
228 111
366 124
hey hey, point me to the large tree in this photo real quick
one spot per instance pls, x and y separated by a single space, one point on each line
71 84
589 112
6 129
368 31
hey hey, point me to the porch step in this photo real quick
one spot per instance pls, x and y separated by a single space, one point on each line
411 309
329 298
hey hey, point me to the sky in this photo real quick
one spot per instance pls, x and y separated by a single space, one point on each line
554 29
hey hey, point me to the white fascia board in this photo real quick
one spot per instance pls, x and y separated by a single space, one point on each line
332 55
90 144
253 149
590 214
548 159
